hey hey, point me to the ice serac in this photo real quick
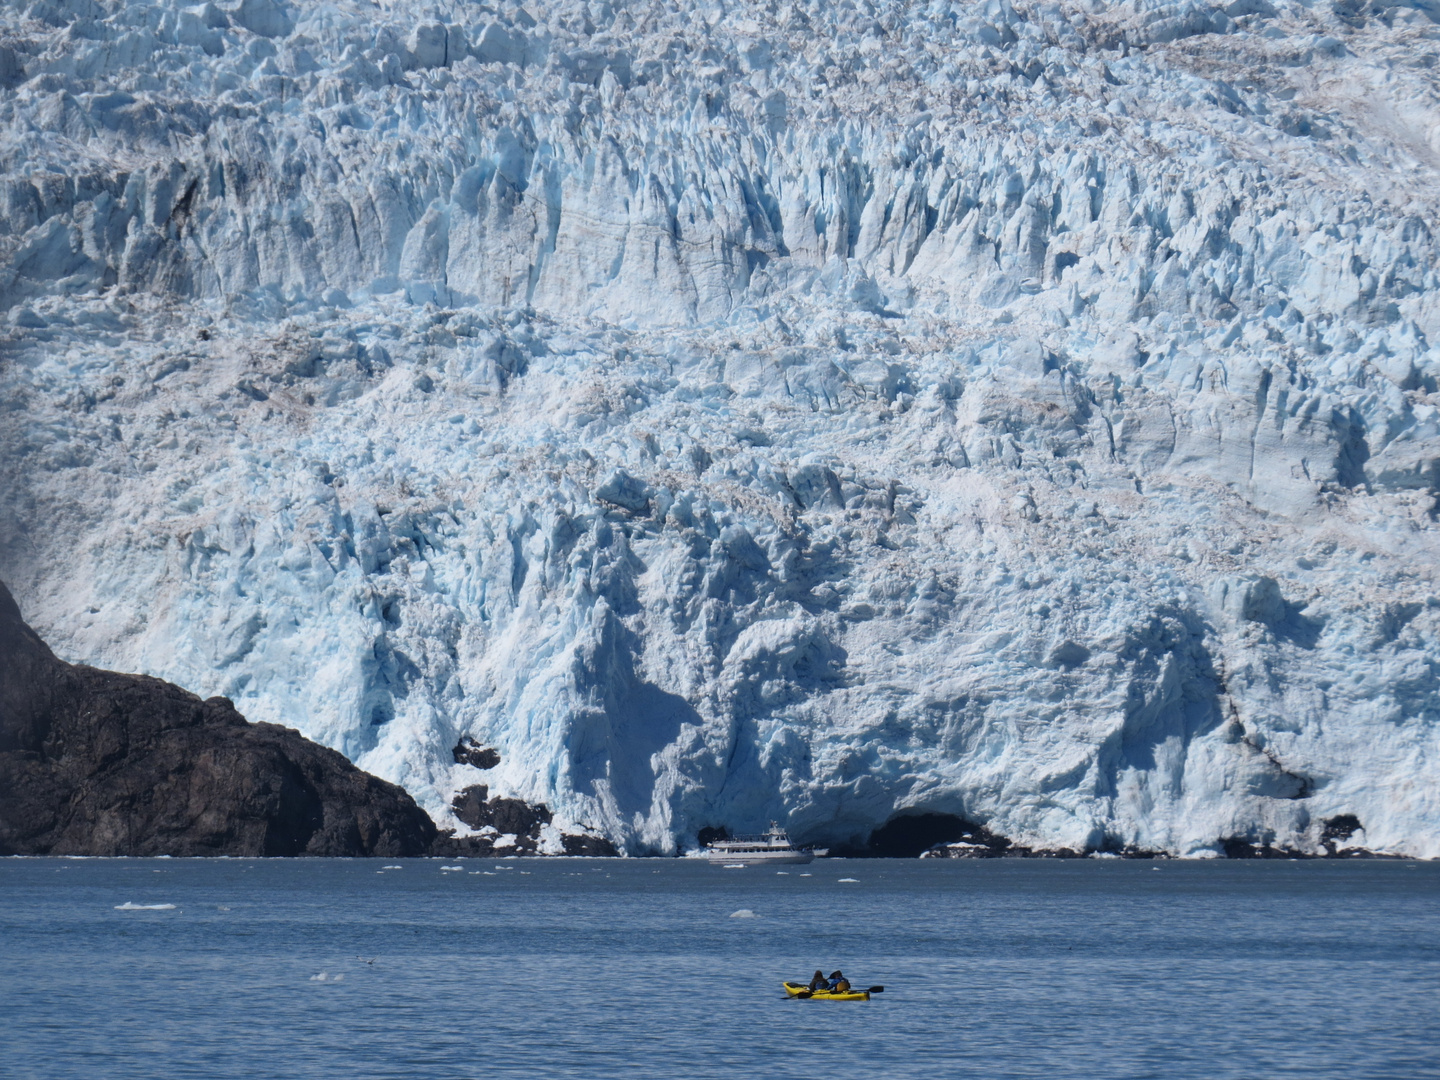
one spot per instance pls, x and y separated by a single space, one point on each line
830 412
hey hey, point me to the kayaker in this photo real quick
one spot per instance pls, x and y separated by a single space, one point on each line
837 983
819 982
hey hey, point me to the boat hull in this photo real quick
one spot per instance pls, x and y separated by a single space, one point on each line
760 858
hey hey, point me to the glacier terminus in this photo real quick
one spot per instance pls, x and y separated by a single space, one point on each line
723 411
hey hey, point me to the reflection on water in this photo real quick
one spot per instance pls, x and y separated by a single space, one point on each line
666 968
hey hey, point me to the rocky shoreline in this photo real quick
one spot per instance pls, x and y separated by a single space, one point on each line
101 763
977 842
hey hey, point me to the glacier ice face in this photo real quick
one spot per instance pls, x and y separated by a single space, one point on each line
727 412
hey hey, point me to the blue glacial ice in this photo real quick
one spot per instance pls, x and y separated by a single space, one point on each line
735 411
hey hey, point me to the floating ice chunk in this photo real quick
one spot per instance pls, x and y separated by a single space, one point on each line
734 866
744 913
128 906
392 868
850 879
452 868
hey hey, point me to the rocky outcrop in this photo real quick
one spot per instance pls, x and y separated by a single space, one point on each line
512 827
507 826
978 842
99 763
469 752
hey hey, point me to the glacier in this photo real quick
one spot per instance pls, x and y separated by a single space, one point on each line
733 411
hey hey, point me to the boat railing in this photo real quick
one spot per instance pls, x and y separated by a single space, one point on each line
759 840
771 837
752 839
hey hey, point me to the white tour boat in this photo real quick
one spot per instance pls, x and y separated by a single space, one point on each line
770 848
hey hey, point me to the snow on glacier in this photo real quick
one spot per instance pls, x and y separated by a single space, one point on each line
728 412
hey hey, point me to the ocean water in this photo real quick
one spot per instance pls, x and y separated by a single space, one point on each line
640 968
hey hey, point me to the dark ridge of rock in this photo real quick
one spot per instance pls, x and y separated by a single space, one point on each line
501 817
449 846
475 808
468 752
585 844
946 836
1237 847
983 844
965 849
100 763
964 839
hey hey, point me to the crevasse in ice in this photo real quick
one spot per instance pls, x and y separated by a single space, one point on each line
727 411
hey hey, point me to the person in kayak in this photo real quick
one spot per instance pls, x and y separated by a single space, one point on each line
837 983
819 982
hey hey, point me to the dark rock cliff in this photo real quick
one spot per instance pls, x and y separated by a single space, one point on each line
98 763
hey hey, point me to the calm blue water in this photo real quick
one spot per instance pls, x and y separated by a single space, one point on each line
635 968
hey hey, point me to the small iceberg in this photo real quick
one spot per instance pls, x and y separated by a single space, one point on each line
452 868
744 913
128 906
392 868
854 879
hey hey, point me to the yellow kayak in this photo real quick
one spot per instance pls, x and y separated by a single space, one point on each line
801 990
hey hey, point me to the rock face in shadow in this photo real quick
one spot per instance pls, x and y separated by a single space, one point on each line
99 763
511 827
468 752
